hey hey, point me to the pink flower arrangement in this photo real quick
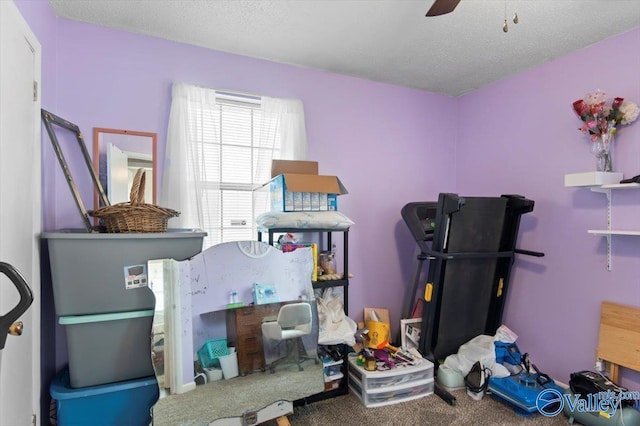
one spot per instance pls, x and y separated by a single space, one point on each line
599 117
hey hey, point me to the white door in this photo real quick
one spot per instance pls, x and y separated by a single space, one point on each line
117 175
20 212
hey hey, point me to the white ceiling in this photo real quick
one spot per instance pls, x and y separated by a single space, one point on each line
383 40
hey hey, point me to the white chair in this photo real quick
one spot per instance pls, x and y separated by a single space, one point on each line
294 321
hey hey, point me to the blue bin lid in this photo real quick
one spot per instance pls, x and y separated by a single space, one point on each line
61 389
115 316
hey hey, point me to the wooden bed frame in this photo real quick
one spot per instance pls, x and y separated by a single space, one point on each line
619 339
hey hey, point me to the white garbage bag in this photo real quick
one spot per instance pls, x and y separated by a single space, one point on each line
481 348
334 326
505 334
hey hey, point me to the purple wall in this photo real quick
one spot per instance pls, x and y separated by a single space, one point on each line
520 136
392 145
382 140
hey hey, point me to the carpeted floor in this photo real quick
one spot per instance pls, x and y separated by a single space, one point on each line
227 398
431 410
348 410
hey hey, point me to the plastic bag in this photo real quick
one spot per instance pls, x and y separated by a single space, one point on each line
505 334
481 348
334 326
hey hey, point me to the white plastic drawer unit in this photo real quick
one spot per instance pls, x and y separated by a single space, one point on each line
392 395
404 383
396 376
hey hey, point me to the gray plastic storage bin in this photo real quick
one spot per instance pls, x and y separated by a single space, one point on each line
88 270
108 348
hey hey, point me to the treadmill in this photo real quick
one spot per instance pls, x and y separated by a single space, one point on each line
470 243
420 218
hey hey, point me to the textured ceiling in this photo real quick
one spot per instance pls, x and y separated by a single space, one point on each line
383 40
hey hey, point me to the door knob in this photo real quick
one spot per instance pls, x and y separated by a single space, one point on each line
15 329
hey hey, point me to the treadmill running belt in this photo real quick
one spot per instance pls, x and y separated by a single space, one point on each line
468 283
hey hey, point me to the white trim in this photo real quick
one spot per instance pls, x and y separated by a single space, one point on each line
186 387
37 229
12 14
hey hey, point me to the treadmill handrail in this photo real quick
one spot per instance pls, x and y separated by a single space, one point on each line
530 253
479 255
467 255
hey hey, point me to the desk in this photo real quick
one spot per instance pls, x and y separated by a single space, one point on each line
244 332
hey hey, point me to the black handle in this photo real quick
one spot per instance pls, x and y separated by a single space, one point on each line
529 252
26 298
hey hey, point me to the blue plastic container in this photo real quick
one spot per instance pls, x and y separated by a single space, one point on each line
124 403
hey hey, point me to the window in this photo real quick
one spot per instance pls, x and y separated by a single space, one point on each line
219 150
237 142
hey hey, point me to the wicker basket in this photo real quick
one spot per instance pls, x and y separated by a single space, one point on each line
135 215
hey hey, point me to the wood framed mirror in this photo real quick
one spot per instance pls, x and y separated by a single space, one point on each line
117 154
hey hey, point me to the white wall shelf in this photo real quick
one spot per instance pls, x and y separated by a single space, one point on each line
606 232
607 188
583 181
592 178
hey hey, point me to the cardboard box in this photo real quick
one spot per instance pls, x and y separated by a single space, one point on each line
279 167
382 314
297 186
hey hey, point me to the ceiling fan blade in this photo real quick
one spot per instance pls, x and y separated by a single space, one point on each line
441 7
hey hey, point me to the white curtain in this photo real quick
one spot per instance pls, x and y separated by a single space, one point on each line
182 185
293 135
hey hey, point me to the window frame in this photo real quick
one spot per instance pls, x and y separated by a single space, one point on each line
227 228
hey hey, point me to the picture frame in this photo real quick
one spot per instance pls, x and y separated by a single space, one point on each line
60 129
410 329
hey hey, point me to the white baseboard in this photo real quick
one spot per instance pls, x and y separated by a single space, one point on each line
187 387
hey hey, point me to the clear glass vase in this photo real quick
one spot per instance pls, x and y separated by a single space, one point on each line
602 148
